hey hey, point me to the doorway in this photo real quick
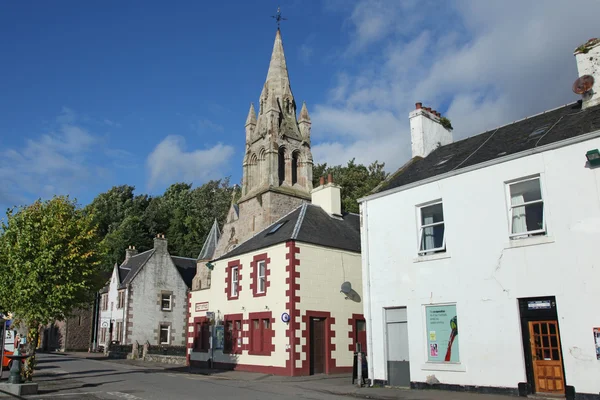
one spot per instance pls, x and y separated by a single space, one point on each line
542 345
398 365
317 346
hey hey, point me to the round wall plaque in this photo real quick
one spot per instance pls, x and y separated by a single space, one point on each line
285 317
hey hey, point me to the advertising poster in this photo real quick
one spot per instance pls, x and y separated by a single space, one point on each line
597 342
219 337
442 334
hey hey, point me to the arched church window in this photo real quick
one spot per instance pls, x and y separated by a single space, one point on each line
294 168
281 165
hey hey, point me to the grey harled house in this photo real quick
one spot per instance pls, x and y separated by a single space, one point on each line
146 301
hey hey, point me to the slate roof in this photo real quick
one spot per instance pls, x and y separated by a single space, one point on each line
309 224
135 263
210 244
561 123
186 267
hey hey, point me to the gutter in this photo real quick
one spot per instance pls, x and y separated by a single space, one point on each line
367 287
552 146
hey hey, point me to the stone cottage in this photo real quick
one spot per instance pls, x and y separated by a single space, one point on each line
145 300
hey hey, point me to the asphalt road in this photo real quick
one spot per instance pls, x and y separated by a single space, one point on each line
64 377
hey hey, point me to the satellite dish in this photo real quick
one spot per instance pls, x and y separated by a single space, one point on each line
350 293
583 84
346 287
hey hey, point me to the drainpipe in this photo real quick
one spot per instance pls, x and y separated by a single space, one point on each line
367 287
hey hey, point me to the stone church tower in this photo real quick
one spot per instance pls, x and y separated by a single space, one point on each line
277 167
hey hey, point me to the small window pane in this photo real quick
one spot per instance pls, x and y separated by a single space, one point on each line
555 355
432 214
526 191
266 323
545 329
552 328
255 323
361 325
432 237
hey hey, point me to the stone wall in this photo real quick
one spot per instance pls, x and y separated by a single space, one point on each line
79 330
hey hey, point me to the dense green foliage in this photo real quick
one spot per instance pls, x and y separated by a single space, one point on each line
50 259
356 180
184 215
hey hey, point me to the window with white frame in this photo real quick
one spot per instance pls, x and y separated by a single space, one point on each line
234 281
165 333
432 238
262 269
526 208
165 302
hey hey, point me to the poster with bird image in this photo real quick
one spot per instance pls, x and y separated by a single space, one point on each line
442 333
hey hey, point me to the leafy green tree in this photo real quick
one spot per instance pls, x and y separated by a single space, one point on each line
50 264
356 180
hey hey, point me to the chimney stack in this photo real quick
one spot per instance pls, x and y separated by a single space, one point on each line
426 131
130 252
588 63
160 243
328 196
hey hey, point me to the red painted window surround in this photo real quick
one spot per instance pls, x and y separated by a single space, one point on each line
201 334
228 279
233 332
261 333
354 334
254 274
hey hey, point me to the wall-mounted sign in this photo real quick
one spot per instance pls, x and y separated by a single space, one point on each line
539 305
210 315
597 342
442 334
285 317
201 306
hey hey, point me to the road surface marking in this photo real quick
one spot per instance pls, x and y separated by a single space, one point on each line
124 395
65 394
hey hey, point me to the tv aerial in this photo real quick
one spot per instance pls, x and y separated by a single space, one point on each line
583 84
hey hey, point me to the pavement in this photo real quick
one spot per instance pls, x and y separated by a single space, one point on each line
93 376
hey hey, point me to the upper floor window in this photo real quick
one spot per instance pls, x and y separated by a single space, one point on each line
526 209
262 269
104 302
166 302
234 281
121 299
432 238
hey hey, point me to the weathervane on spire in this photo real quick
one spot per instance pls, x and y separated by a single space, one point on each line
278 17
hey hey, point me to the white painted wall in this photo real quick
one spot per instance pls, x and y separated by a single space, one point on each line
485 273
113 313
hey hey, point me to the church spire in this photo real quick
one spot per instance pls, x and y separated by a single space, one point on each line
278 80
251 120
304 123
210 244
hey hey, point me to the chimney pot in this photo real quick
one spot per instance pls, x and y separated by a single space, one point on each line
418 106
428 109
329 178
321 181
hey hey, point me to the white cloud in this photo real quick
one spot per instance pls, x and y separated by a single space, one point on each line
52 163
169 162
484 64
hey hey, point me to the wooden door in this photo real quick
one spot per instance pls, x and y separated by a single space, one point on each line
546 357
317 346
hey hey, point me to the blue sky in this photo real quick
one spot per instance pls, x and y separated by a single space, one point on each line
148 93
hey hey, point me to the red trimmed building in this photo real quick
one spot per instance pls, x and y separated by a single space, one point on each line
295 268
283 283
